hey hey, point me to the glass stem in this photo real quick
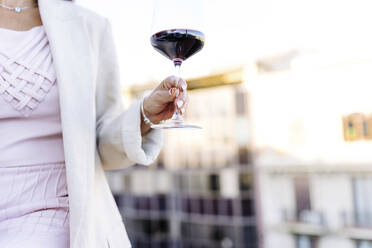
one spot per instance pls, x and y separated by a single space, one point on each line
178 69
177 116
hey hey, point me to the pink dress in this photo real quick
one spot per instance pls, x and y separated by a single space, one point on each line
34 207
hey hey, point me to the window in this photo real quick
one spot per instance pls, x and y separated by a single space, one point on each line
162 202
357 126
186 205
244 156
362 188
160 226
126 201
210 206
240 103
225 207
249 235
224 235
214 182
365 128
364 244
196 207
302 193
369 127
304 241
245 181
247 207
186 230
142 202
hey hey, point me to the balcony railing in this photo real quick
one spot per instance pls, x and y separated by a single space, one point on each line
304 216
305 222
357 219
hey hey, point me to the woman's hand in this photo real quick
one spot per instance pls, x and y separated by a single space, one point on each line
160 105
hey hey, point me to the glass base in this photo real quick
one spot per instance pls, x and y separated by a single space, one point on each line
174 124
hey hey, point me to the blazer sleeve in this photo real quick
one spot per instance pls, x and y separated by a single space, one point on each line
118 132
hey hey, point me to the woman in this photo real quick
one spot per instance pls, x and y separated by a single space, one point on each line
62 124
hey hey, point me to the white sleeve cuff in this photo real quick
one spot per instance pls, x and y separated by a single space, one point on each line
140 150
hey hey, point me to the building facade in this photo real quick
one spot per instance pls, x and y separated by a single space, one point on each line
283 160
200 192
312 151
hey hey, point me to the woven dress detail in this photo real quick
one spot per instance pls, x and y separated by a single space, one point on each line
30 123
34 205
26 72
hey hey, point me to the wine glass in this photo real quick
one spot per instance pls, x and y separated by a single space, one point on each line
176 35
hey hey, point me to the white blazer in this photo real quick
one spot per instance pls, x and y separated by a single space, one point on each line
97 133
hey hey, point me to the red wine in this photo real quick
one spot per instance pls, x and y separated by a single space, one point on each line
178 44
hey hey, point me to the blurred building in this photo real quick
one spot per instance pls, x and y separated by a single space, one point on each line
283 160
312 128
200 192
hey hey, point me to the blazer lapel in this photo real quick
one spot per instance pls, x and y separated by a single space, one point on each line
72 60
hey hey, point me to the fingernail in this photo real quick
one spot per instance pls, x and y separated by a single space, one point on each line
179 103
177 92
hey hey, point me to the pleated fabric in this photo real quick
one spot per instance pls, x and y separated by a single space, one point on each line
34 209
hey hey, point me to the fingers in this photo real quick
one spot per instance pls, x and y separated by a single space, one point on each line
165 96
174 82
170 95
171 88
177 87
182 101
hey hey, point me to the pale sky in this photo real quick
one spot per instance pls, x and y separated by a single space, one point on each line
238 31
